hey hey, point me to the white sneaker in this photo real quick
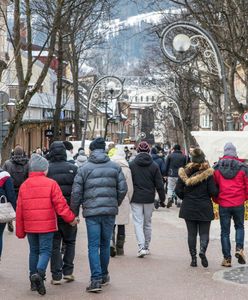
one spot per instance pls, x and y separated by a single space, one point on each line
141 253
56 282
69 278
147 251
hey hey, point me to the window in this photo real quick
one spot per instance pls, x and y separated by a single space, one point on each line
205 121
13 92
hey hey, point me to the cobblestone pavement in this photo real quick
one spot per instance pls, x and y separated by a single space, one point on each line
165 274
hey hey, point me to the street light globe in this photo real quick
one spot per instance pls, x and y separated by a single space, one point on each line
181 43
111 85
164 104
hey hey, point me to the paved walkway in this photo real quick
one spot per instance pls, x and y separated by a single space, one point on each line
165 274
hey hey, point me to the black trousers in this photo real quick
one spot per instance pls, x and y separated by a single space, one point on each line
120 230
193 228
63 264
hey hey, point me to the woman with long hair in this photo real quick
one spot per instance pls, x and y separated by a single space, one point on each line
195 187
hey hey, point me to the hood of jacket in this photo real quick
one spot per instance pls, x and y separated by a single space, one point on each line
19 159
98 156
143 159
192 175
120 161
82 158
57 152
229 167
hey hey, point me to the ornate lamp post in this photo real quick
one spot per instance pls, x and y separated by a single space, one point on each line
169 104
108 88
186 47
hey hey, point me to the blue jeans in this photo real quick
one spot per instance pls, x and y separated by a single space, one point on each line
40 245
99 231
226 214
2 226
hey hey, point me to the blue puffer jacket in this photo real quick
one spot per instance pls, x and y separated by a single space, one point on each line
159 161
99 186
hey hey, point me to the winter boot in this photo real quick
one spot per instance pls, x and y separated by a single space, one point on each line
193 257
32 285
113 246
37 280
120 244
202 254
170 202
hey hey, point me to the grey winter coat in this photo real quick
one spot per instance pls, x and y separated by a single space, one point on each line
99 186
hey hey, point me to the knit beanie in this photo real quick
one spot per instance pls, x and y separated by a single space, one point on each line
68 145
18 151
98 143
230 150
197 156
38 163
143 147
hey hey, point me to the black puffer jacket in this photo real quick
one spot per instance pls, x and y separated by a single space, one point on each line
196 186
173 162
146 178
61 170
100 186
17 167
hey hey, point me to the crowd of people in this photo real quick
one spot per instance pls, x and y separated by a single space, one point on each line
48 190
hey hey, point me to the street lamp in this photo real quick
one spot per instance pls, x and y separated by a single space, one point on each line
105 87
165 105
189 45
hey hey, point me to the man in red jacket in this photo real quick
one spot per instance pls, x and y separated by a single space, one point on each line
39 200
231 175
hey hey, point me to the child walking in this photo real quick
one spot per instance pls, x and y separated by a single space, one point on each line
39 200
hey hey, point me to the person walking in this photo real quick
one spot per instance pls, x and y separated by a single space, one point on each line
231 176
122 219
39 200
63 172
81 158
158 160
146 178
7 190
100 188
17 167
196 186
173 162
111 149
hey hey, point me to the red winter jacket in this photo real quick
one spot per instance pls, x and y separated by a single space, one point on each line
231 176
39 199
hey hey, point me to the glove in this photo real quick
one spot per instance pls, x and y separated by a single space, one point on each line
156 204
162 204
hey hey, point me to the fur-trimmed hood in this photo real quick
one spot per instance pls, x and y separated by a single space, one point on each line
191 175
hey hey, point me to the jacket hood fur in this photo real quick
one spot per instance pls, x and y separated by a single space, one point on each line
197 177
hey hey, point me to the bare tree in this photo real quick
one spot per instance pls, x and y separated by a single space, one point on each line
227 22
24 72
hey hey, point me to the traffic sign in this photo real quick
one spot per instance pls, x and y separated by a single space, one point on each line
245 117
245 127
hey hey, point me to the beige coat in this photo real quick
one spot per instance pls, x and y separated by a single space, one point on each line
124 210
